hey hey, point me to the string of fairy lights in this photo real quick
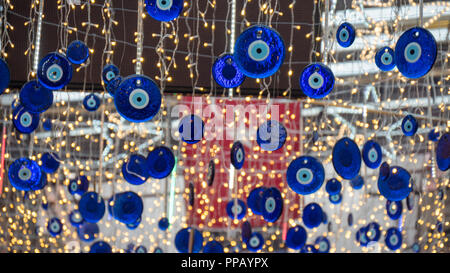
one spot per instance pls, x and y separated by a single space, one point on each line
363 105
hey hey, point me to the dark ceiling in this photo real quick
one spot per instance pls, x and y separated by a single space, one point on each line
125 12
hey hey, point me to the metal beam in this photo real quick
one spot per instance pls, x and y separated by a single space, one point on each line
409 14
